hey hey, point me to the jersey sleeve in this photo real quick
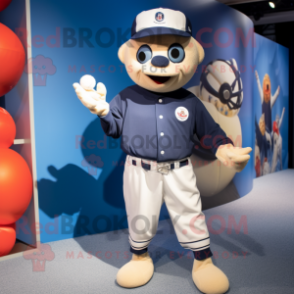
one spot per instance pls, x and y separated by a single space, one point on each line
210 134
112 123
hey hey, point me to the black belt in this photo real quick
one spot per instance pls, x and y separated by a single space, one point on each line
172 165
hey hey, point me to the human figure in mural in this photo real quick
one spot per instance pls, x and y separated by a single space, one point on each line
263 142
267 100
277 143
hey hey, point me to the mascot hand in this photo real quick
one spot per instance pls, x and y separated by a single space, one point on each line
235 157
95 101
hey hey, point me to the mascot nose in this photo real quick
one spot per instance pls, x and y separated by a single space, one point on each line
160 61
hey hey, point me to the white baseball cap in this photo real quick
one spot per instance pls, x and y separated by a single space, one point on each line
161 21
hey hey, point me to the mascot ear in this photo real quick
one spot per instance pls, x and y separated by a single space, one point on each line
200 50
121 52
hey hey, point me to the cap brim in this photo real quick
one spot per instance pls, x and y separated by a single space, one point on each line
156 31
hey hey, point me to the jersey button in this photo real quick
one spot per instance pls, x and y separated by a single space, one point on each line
160 100
161 134
161 116
162 152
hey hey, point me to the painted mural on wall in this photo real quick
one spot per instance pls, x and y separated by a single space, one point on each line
271 100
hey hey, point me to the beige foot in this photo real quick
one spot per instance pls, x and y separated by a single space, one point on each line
208 278
136 272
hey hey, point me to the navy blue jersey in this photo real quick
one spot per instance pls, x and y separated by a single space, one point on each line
161 126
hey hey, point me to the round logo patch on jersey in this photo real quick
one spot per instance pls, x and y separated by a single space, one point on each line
182 113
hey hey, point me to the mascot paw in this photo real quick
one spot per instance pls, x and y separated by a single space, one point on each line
136 272
208 278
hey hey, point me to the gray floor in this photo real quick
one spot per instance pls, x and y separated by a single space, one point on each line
268 266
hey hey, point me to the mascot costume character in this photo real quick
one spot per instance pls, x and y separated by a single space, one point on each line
157 119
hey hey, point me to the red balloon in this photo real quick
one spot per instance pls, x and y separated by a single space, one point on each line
12 59
7 129
16 186
7 238
4 4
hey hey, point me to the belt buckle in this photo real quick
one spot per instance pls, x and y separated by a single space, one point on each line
163 168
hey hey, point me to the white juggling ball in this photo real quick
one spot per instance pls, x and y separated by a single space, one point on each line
88 82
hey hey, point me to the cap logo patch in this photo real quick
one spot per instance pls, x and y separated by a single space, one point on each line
159 16
182 113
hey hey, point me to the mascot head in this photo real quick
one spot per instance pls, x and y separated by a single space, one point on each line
266 88
161 55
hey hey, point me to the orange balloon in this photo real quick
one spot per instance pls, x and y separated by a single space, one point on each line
7 129
12 59
16 186
7 238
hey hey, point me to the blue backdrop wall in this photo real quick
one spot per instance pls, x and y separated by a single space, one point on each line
80 170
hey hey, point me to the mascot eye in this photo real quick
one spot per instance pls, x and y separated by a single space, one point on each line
176 53
144 54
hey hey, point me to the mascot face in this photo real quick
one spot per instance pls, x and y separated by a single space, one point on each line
266 88
161 63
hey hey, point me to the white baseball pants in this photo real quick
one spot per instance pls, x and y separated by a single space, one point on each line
144 193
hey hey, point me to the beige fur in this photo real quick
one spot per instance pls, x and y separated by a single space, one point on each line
137 272
208 278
